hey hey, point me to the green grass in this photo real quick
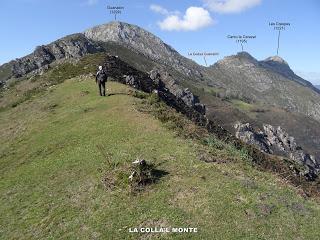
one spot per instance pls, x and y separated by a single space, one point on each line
26 88
56 149
242 105
5 71
251 109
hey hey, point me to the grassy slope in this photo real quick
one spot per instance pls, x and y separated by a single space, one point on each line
51 172
229 111
5 71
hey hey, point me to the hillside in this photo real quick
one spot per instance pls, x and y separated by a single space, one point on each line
237 88
56 149
269 82
241 88
55 129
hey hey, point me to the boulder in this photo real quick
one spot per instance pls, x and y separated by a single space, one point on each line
277 140
246 133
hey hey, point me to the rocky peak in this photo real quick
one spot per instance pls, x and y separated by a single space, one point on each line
276 59
280 66
238 60
123 33
144 43
245 56
244 62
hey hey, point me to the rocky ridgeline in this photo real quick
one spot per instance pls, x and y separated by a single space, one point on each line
159 81
166 81
71 47
251 136
270 141
277 141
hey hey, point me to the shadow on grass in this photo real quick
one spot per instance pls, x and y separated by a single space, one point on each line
114 94
158 174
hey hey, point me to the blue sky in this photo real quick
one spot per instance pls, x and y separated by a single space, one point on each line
26 24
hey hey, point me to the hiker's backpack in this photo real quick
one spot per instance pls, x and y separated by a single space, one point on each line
102 76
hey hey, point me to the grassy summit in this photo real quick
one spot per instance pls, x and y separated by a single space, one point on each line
56 149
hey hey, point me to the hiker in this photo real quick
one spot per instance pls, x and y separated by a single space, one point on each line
101 79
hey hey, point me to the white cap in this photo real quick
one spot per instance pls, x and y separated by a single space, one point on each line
100 68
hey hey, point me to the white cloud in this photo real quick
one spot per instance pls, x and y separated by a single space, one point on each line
159 9
194 19
230 6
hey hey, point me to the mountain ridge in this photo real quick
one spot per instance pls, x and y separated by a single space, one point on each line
260 81
279 65
269 82
273 63
141 40
73 46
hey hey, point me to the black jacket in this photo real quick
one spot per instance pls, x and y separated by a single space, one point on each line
101 76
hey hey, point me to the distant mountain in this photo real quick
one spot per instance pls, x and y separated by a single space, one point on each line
318 86
279 65
269 82
144 43
263 92
94 40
